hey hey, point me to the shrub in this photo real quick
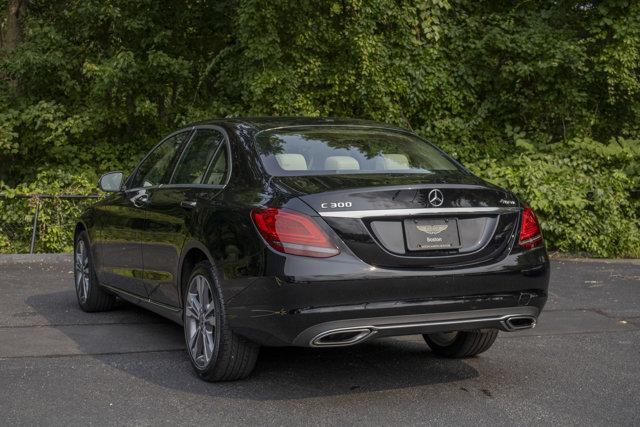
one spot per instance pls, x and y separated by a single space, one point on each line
56 217
583 191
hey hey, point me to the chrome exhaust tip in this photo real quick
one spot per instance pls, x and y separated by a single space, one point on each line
515 323
341 337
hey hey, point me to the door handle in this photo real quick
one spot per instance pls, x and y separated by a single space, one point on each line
188 204
141 200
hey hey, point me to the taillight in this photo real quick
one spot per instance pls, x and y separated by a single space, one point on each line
530 233
293 233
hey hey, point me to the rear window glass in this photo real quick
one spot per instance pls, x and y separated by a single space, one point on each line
327 150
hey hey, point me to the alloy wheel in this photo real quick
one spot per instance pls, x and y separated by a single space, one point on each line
82 272
200 321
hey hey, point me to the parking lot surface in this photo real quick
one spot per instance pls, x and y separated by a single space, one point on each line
61 366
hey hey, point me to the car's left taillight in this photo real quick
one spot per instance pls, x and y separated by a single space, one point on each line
530 232
294 233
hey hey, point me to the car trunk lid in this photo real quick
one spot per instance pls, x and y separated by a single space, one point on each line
413 221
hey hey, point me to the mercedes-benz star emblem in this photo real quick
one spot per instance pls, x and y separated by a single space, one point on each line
435 197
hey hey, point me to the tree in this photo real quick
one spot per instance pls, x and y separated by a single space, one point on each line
529 94
11 32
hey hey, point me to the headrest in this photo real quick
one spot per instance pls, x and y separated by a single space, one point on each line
395 161
342 163
292 162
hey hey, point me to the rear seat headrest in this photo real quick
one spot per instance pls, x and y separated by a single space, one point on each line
341 163
395 161
292 162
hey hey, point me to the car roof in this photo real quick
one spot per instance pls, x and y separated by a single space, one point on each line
268 123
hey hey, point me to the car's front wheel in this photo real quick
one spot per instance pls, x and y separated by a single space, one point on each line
216 353
91 297
460 344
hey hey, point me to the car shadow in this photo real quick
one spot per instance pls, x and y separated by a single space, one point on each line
282 373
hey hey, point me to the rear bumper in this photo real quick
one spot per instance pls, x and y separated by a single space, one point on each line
354 331
300 309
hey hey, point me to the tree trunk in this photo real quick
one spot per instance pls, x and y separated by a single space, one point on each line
12 33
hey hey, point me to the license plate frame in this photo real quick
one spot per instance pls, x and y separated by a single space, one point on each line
431 234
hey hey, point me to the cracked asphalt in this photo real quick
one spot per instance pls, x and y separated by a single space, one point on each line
61 366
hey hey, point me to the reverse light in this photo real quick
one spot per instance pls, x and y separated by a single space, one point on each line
293 233
530 233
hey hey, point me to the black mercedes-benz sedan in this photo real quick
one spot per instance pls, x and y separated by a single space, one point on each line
310 232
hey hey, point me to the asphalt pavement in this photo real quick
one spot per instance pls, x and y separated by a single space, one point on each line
61 366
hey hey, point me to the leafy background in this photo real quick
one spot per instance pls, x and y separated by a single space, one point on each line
542 97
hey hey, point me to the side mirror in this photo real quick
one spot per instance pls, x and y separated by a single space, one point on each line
111 181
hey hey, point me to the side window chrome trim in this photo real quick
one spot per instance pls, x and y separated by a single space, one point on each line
203 186
169 186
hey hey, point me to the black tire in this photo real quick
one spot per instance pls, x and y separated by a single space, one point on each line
233 357
462 344
97 298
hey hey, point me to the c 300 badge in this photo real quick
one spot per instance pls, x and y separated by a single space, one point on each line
334 205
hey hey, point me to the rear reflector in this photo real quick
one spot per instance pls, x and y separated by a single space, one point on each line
293 233
530 233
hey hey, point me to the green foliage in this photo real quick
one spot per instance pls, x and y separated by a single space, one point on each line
579 190
542 97
56 218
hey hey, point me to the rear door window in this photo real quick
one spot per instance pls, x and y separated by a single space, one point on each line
194 163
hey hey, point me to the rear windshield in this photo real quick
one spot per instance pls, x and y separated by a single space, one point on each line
328 150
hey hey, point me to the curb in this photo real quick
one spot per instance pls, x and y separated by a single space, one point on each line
632 261
34 258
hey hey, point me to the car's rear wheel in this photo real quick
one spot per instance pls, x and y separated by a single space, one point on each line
216 353
460 344
91 297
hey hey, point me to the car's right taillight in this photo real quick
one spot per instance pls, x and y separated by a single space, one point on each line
530 233
294 233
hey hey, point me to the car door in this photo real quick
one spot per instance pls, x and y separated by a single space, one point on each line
173 209
122 219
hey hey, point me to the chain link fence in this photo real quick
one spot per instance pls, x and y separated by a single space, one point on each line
40 223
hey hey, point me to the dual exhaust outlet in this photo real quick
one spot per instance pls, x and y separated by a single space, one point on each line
350 336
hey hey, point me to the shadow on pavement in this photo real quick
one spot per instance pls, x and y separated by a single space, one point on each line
62 308
289 373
